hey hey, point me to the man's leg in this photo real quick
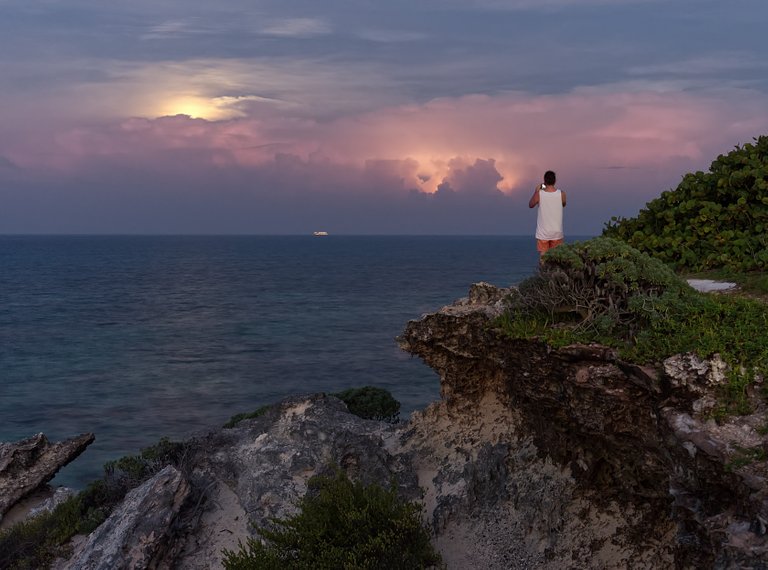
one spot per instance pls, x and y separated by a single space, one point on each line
544 245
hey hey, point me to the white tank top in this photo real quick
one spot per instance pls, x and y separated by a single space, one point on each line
549 223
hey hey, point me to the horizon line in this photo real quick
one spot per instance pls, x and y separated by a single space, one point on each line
330 235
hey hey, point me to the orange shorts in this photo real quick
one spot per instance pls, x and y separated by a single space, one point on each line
543 245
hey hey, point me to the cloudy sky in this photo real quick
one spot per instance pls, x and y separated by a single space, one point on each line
364 116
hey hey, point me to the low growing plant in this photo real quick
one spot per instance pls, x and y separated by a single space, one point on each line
371 403
342 525
605 291
35 543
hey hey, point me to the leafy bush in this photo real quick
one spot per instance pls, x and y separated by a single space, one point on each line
342 525
371 403
36 542
604 291
601 287
712 219
131 470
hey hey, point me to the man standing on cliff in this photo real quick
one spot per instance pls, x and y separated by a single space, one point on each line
549 223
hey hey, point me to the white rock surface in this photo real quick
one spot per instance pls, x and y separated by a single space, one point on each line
708 285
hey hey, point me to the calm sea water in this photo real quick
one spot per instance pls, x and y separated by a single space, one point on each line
136 338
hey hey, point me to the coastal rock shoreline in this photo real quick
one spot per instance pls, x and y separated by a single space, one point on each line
534 457
628 436
27 465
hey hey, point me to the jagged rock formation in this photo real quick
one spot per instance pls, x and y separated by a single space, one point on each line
533 458
139 532
600 463
259 469
28 464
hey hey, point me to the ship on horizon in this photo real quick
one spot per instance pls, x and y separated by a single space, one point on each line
319 234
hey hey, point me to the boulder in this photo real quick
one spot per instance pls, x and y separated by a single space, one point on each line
138 534
27 464
259 469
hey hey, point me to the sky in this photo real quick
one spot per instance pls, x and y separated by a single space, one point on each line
364 116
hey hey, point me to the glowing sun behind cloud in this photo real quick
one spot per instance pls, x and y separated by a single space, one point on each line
210 109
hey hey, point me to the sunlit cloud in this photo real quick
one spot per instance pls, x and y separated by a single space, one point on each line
449 108
474 144
214 89
212 108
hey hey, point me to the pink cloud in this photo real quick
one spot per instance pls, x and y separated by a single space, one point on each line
473 144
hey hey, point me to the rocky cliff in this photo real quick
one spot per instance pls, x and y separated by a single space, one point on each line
599 463
533 458
27 465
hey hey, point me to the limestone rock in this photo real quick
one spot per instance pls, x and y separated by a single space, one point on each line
58 496
535 457
694 373
27 464
137 534
259 469
596 466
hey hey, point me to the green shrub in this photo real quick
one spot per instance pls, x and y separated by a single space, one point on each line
131 470
342 525
237 418
36 542
712 219
604 291
371 403
601 288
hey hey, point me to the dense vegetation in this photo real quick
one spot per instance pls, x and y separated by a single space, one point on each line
342 525
714 219
35 543
371 403
603 290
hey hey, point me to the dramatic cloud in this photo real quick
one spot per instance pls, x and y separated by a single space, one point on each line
397 117
589 128
612 150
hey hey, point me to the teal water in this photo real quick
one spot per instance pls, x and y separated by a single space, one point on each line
136 338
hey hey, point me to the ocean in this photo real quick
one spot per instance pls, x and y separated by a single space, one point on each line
135 337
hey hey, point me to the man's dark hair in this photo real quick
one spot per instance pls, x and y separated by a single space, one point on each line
549 178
